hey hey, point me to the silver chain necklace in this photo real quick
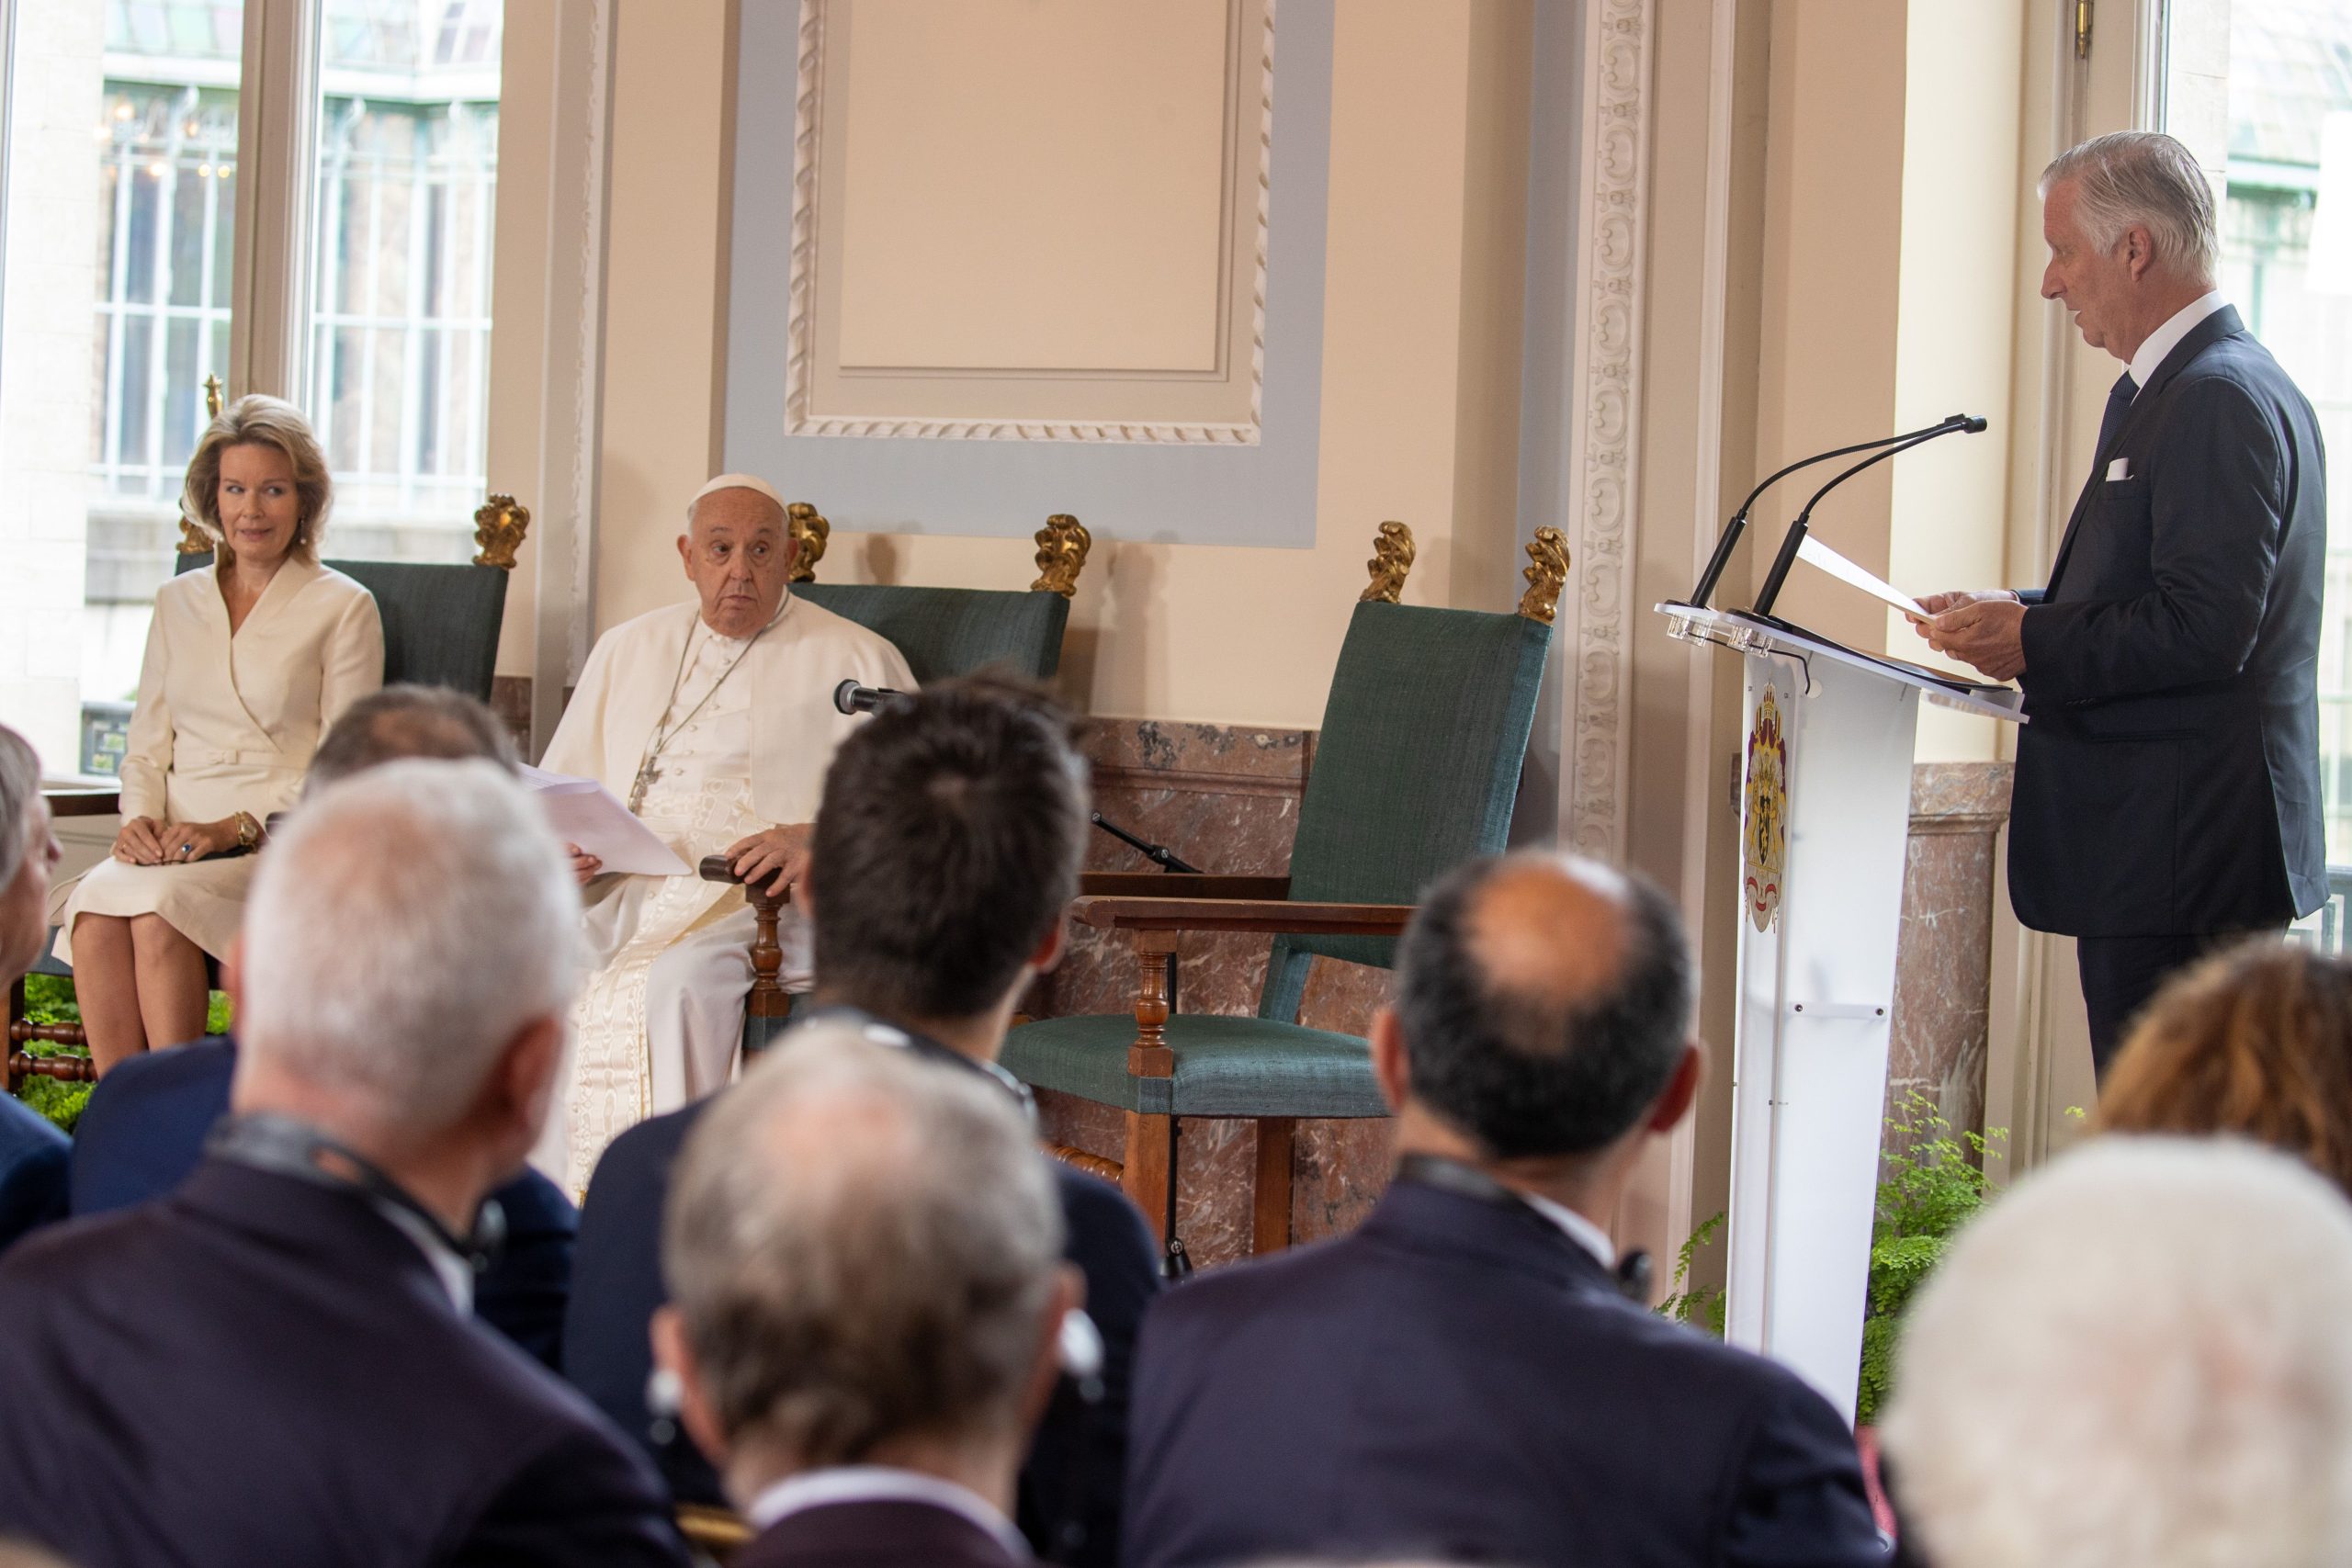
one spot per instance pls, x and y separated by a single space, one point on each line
647 770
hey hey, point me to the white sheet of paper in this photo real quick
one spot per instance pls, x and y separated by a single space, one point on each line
1812 549
584 812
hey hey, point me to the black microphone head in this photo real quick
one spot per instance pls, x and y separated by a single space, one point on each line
1974 424
845 695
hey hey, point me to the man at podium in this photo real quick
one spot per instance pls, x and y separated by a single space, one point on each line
2167 794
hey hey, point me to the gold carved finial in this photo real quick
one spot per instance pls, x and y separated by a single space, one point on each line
500 524
810 532
213 397
1547 555
1062 544
1392 557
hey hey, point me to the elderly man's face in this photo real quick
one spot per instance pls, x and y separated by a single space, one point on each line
23 922
2097 287
738 555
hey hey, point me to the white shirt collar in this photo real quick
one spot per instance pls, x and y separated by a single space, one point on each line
2167 338
456 1275
1581 1231
881 1484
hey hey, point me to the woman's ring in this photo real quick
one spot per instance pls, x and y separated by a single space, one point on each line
187 849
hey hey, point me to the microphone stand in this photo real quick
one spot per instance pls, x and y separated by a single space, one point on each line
1738 523
1796 535
1158 855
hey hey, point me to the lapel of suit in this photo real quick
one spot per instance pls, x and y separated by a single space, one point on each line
2221 323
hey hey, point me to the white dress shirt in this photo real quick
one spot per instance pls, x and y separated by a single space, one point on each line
1581 1231
2167 338
881 1484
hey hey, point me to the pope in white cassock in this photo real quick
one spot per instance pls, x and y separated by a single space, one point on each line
715 722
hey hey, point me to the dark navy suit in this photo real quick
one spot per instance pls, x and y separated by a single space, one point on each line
144 1128
261 1369
1458 1380
2167 785
1068 1504
32 1170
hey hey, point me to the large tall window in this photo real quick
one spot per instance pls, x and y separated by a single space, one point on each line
120 295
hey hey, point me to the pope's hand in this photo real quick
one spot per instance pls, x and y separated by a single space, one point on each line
584 865
779 855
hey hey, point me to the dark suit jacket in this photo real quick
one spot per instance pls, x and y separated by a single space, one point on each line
877 1535
144 1128
261 1368
1458 1379
2169 782
32 1170
1068 1505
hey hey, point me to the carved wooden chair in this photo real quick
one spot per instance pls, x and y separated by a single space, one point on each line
940 632
1416 769
440 629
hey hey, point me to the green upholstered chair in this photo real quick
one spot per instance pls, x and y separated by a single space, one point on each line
1416 770
440 629
940 632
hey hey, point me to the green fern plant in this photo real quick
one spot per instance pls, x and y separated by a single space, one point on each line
1702 1308
1931 1183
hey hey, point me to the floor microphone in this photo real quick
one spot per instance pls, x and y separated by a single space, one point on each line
851 697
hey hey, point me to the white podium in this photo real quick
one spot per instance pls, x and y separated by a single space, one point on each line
1826 806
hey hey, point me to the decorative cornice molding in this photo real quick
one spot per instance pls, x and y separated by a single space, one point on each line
807 119
1613 201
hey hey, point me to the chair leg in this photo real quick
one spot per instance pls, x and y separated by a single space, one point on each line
768 999
1147 1176
1269 1209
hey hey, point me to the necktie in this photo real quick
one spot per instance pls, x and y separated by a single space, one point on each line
2119 403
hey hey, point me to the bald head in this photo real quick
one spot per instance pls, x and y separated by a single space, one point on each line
1543 1001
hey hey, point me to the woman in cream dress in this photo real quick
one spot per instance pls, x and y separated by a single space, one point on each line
247 664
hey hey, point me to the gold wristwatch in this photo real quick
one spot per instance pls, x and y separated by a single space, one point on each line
248 830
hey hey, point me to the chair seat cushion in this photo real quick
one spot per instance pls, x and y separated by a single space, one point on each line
1225 1067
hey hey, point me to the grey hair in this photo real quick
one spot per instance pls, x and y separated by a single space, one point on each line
20 791
403 925
2136 1358
862 1247
403 720
2148 178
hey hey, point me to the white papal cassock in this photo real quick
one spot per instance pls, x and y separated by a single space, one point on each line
662 1012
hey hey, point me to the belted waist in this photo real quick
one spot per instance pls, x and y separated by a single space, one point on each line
185 758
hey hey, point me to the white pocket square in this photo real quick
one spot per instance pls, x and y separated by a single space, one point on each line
2118 469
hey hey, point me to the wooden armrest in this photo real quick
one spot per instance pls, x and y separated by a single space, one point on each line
1179 885
717 868
1277 916
81 800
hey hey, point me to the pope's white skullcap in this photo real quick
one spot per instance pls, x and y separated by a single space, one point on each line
735 481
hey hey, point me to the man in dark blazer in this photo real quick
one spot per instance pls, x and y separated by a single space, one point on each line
870 1297
143 1132
277 1363
2167 793
946 848
32 1170
1462 1379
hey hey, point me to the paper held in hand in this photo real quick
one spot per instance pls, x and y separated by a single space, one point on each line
584 812
1812 549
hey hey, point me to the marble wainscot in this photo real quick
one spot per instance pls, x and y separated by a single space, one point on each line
1943 962
1224 799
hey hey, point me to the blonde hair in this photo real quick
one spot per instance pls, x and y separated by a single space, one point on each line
257 421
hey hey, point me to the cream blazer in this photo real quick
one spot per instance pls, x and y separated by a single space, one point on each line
226 724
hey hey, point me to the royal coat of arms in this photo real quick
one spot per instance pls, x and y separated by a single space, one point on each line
1764 836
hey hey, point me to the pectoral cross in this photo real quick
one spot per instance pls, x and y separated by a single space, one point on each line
646 774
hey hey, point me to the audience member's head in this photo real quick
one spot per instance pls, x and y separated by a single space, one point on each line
864 1255
1539 1015
948 846
408 721
28 853
2137 1358
2257 1041
407 963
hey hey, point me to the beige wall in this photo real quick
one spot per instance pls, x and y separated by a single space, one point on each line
1419 370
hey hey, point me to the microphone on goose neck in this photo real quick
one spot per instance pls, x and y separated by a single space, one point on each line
851 697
